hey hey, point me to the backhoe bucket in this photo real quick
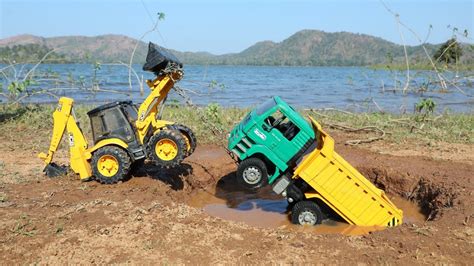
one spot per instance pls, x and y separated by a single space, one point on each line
54 170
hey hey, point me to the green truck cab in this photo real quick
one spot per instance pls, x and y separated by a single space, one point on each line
268 142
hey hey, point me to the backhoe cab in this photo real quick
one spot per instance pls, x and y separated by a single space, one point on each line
122 134
116 120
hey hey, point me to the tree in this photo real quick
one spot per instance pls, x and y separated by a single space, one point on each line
449 52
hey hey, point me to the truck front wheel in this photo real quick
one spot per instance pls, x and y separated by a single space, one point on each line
306 213
252 173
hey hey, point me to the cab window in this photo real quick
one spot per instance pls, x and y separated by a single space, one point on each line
131 113
274 119
117 125
97 127
281 123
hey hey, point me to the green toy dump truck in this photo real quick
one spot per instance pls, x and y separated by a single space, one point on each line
275 145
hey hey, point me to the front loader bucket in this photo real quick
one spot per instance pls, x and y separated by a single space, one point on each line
54 170
158 58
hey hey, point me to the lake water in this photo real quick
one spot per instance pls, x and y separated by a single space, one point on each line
350 88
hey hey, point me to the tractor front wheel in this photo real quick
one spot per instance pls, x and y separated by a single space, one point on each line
167 148
252 173
189 137
110 164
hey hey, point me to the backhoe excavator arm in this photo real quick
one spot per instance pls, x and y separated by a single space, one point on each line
149 109
64 121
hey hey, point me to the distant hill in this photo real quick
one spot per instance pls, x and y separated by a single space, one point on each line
304 48
103 48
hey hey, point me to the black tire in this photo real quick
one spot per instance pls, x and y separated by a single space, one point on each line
122 158
290 206
189 135
306 213
174 137
252 173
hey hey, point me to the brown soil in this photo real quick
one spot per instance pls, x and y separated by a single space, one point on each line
156 215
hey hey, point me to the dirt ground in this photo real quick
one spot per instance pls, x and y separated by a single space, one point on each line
149 218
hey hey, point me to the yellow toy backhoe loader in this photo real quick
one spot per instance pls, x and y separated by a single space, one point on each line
122 134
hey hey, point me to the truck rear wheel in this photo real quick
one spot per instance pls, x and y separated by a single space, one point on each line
252 173
306 213
167 148
110 164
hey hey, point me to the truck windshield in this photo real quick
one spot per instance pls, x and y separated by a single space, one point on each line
267 105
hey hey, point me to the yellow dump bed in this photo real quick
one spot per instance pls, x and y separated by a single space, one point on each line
343 188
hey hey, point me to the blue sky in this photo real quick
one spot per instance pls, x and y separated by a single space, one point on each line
231 26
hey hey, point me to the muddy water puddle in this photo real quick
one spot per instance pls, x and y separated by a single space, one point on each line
267 210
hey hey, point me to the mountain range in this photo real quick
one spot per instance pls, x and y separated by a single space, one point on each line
304 48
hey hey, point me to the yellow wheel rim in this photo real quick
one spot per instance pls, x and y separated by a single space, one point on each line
166 149
108 165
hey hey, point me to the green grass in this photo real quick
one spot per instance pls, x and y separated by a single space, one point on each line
24 227
450 128
31 126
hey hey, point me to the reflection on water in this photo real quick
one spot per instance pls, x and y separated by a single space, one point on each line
342 87
260 213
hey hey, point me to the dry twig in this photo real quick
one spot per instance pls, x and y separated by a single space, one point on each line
365 129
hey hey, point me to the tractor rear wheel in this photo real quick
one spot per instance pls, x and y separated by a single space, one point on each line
167 148
110 164
306 213
189 137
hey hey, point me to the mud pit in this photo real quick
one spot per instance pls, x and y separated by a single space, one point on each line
169 216
264 209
